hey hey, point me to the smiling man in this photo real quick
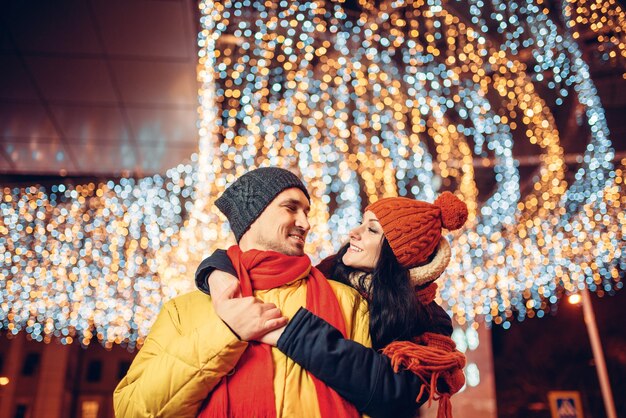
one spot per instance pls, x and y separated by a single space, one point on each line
283 226
204 359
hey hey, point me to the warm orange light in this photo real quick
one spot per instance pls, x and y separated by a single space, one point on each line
574 299
4 381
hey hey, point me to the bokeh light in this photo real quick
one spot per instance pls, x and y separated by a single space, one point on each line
388 98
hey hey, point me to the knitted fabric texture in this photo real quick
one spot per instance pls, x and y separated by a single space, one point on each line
245 199
413 227
426 295
435 360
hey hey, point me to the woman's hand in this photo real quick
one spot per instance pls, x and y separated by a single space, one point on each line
271 338
219 281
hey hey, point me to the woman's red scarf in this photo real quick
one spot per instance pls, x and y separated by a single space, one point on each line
249 392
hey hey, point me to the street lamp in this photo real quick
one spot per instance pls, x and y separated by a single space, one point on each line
596 347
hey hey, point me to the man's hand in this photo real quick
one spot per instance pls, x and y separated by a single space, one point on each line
271 338
248 317
219 281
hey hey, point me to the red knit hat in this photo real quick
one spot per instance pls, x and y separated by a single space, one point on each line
413 227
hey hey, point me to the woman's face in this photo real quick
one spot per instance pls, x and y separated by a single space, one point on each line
365 244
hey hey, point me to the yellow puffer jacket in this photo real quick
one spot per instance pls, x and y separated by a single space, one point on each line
189 349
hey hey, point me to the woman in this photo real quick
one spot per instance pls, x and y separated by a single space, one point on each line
392 259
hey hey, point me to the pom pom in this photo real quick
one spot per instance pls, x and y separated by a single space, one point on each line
453 211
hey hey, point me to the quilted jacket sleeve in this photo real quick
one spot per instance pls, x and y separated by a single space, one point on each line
177 366
217 261
361 375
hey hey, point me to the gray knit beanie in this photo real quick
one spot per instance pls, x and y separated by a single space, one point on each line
248 196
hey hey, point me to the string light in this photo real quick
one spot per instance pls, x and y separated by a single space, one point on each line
398 98
603 20
79 262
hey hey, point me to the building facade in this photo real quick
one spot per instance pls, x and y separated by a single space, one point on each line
58 381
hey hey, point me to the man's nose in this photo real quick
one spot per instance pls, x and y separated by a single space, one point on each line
302 221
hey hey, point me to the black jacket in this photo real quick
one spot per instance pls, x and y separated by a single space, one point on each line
361 375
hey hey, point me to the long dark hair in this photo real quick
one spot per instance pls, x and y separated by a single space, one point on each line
395 312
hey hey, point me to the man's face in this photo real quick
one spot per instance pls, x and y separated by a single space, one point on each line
283 225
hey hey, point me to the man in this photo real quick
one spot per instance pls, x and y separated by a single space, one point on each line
201 360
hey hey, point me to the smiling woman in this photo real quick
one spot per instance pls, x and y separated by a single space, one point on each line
397 238
392 259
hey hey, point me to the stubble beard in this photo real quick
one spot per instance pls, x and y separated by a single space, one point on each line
281 247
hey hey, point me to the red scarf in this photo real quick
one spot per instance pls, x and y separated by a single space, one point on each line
249 392
436 361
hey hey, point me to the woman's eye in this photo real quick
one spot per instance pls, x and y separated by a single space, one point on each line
373 231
